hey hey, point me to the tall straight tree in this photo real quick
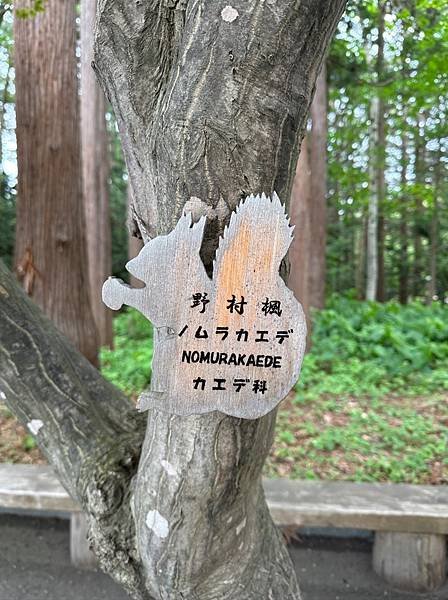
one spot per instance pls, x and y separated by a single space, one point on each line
300 211
375 223
309 207
380 156
95 174
318 206
403 280
50 252
434 231
211 107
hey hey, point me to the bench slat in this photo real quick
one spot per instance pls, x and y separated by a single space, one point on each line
374 506
33 487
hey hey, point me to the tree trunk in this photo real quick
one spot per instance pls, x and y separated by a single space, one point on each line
309 209
50 245
418 267
375 287
434 234
210 108
403 283
300 250
380 159
372 221
95 174
360 254
318 206
212 113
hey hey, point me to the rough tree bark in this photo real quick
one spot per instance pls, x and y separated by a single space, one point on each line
50 246
211 102
95 174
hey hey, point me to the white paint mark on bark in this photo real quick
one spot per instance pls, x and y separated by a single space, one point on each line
241 526
35 426
157 524
229 14
2 395
170 470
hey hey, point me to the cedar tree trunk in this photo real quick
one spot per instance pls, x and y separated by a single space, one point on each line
50 245
95 175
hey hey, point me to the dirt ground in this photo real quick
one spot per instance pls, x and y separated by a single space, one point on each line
35 565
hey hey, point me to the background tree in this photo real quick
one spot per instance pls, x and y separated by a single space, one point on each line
300 211
50 247
309 208
318 160
95 176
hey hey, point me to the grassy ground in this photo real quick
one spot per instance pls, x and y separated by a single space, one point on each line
371 404
394 439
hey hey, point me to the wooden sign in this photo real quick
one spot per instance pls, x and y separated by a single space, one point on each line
233 343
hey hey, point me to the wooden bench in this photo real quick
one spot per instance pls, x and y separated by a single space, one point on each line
410 522
36 488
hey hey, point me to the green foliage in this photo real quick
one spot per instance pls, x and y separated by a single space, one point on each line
371 348
413 85
7 221
29 443
37 7
392 439
118 190
128 365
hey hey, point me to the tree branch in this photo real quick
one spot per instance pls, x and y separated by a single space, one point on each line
87 429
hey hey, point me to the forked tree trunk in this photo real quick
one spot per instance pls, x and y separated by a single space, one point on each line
50 246
211 101
95 174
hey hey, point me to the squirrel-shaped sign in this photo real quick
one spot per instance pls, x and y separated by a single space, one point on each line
232 343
